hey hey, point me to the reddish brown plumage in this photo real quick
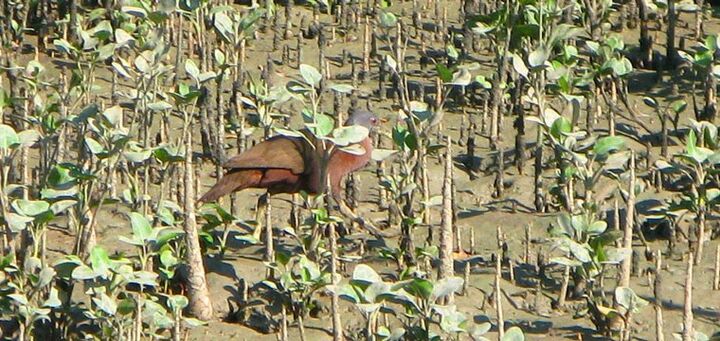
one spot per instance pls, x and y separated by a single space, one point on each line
285 164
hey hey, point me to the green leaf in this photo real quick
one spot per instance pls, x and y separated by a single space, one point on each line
53 301
177 302
354 149
190 322
483 82
419 287
387 19
99 260
651 102
342 88
382 154
30 208
106 304
64 46
192 70
224 25
452 52
17 222
122 38
114 115
8 137
445 74
168 153
29 137
136 157
219 57
19 299
94 146
514 334
310 74
603 146
446 286
366 274
160 106
462 78
140 226
627 298
83 272
62 205
538 57
287 132
325 125
519 66
134 11
453 322
597 227
617 255
167 259
678 106
580 251
560 127
565 261
344 136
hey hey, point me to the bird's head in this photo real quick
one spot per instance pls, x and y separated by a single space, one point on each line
363 118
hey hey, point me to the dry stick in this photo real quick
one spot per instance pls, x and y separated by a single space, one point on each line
427 214
298 48
445 269
366 50
335 304
200 305
700 234
498 297
687 333
284 325
472 240
499 179
716 279
526 256
629 220
564 287
616 221
657 291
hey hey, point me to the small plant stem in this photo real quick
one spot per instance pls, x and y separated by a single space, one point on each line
446 242
498 298
629 220
526 256
366 49
564 287
687 332
284 324
200 304
716 278
335 304
657 291
472 240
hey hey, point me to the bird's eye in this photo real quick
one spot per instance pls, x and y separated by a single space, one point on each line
373 120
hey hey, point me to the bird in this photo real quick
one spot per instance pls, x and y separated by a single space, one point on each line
291 164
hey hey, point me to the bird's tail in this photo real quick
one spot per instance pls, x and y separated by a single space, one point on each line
232 181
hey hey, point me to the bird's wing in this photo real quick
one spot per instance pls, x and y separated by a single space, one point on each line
277 152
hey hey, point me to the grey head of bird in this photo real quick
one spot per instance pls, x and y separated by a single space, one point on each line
363 118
